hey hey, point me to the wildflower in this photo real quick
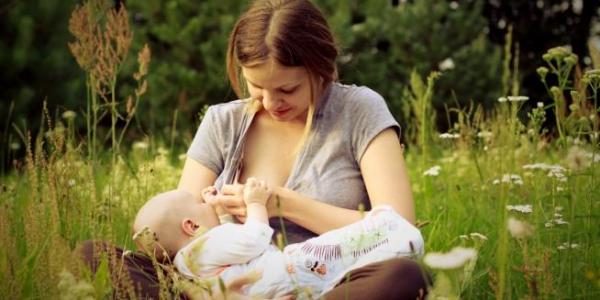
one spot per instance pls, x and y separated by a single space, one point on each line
456 258
502 99
69 115
453 5
565 246
484 134
560 221
548 224
578 158
519 229
517 98
140 145
558 175
542 71
540 104
15 146
510 179
558 208
525 208
126 253
449 135
560 189
433 171
71 182
478 235
463 237
446 64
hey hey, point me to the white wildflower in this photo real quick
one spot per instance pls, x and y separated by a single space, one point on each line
524 208
558 208
484 134
509 178
69 115
548 224
565 246
433 171
557 215
127 253
140 145
560 221
71 182
517 98
454 5
446 64
502 99
478 235
519 229
463 237
449 135
540 104
456 258
560 189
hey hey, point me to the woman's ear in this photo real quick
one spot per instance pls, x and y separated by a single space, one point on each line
189 226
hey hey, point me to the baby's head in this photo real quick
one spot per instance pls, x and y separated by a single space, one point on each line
175 217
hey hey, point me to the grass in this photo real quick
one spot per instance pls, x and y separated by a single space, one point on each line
57 197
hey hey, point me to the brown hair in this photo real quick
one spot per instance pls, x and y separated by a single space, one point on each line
294 33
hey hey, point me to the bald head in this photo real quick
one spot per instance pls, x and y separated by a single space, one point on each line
166 214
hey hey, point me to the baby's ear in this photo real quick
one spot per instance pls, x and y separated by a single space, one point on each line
189 227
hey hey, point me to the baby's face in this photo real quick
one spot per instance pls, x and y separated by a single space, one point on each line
205 215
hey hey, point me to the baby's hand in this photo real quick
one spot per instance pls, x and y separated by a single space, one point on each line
256 191
208 194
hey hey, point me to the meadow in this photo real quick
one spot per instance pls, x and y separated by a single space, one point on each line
509 209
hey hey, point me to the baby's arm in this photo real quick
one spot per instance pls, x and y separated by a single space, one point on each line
256 194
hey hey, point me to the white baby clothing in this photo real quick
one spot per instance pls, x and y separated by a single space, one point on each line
314 266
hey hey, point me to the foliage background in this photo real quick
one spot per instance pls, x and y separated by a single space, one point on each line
381 43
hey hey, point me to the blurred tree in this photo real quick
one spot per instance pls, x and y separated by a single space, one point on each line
35 60
188 38
383 41
538 26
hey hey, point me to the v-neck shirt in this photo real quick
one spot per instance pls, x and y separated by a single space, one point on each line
346 120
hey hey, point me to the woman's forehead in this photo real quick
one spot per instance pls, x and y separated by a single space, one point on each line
271 74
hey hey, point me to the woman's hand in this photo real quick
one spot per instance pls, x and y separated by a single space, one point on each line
231 199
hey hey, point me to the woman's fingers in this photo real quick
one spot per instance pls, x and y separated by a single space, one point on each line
232 189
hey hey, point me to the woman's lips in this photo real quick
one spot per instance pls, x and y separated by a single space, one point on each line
281 112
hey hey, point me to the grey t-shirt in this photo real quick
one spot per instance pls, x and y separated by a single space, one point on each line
327 168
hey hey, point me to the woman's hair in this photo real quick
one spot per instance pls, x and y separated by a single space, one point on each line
294 33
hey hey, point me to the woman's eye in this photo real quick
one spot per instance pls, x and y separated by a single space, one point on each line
288 91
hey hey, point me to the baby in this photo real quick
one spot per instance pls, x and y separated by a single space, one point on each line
231 250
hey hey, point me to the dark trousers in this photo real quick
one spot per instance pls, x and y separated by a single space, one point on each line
399 278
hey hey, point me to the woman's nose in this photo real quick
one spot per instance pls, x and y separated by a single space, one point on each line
268 99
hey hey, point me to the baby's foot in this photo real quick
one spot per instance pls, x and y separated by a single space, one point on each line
208 194
256 191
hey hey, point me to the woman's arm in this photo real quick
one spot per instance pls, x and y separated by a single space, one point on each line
384 173
195 177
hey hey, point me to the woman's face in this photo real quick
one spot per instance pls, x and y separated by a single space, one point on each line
284 92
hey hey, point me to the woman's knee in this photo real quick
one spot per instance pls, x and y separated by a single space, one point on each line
404 278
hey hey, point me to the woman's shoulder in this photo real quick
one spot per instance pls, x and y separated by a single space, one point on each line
353 98
229 109
228 114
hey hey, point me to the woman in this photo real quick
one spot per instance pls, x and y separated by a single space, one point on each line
326 148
